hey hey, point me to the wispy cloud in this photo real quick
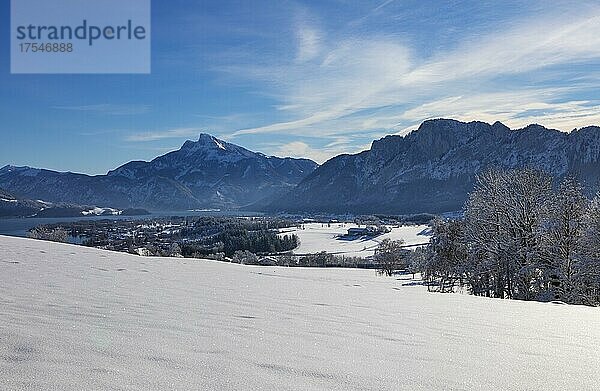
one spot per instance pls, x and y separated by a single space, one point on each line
523 72
300 149
164 134
516 109
349 78
532 46
309 42
109 109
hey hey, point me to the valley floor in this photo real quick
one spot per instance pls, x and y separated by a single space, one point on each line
317 237
74 318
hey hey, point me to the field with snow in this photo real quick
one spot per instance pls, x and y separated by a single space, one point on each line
317 237
75 318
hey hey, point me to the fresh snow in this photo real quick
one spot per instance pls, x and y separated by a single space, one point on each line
77 318
219 144
316 237
99 211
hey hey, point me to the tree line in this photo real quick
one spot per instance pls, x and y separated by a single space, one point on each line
231 240
521 238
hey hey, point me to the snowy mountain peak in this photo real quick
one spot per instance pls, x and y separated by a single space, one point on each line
207 173
205 141
211 140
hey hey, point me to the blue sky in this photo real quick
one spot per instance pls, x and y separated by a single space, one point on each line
310 79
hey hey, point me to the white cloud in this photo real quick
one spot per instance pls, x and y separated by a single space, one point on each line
532 46
164 134
308 43
378 83
516 110
108 108
299 149
347 79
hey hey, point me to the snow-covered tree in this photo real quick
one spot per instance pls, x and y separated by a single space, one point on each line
588 270
446 265
245 257
174 250
564 236
505 217
390 256
521 239
53 235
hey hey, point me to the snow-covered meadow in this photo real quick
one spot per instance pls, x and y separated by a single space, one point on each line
76 318
317 237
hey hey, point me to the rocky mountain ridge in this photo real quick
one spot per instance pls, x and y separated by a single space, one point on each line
433 168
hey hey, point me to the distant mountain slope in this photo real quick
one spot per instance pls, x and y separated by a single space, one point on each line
433 168
11 206
208 173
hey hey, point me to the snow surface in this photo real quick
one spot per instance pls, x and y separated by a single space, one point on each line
219 145
316 237
100 211
75 318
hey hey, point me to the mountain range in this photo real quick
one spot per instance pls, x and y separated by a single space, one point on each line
432 169
208 173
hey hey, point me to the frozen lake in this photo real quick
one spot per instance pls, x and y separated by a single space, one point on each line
74 318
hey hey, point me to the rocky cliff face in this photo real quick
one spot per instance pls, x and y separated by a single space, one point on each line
433 168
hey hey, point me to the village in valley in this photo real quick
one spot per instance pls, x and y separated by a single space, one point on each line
291 241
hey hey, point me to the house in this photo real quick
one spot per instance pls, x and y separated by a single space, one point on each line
370 231
357 231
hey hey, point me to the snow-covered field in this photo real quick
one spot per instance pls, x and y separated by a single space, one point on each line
75 318
316 237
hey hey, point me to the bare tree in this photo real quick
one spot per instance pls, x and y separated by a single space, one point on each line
245 257
174 250
390 256
446 265
505 215
520 239
53 235
564 239
588 270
